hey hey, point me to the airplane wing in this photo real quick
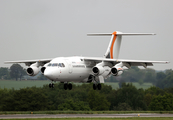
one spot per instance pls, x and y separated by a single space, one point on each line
29 62
143 63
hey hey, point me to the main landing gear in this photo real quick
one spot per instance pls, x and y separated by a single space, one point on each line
95 86
67 86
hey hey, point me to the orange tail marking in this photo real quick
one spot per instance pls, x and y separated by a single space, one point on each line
112 45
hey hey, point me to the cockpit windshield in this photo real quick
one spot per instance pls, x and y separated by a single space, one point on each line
56 65
49 64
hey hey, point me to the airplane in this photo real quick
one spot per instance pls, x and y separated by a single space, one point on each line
86 69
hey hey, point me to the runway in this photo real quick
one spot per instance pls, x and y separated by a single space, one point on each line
21 116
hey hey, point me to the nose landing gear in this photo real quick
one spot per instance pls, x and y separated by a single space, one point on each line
51 85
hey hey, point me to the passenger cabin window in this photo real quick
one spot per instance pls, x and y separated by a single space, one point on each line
56 65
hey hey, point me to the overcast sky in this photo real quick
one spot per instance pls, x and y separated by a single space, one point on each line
39 29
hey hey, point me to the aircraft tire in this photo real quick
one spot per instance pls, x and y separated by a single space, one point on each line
50 85
69 86
99 86
65 86
94 86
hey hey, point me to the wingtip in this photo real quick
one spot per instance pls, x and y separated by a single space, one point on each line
167 62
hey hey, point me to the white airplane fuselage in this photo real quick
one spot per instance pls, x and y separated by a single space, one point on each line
73 70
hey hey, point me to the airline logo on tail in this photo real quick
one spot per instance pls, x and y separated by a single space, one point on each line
110 54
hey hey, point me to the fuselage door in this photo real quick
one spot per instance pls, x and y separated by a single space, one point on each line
69 66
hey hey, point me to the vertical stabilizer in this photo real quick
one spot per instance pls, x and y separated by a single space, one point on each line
114 46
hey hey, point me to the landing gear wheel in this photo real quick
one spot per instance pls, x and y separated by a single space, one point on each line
50 85
65 86
94 86
69 86
99 86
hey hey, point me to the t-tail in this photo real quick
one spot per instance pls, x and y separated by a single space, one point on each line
115 42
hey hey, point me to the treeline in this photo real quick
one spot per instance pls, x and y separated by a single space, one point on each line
84 98
17 72
161 79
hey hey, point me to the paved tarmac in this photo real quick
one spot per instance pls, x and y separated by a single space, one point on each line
21 116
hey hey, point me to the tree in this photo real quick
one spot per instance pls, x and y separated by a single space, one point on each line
17 71
123 107
162 103
148 98
97 101
27 99
165 80
69 104
4 73
154 91
130 95
150 76
160 76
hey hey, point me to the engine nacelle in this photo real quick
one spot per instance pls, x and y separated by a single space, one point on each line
116 71
32 70
44 68
99 70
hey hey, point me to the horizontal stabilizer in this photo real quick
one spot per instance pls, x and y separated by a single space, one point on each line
121 34
115 42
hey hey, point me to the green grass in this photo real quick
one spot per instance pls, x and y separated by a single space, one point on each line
22 84
130 118
82 112
39 83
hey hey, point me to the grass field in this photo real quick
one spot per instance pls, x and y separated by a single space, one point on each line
131 118
39 83
22 84
81 112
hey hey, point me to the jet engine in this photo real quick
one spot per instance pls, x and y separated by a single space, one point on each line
116 71
99 70
44 68
33 70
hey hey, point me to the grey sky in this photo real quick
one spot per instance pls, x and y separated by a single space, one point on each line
32 29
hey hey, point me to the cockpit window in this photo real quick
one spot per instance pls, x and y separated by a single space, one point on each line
49 64
63 65
60 65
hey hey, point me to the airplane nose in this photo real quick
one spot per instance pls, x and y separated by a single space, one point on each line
48 73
